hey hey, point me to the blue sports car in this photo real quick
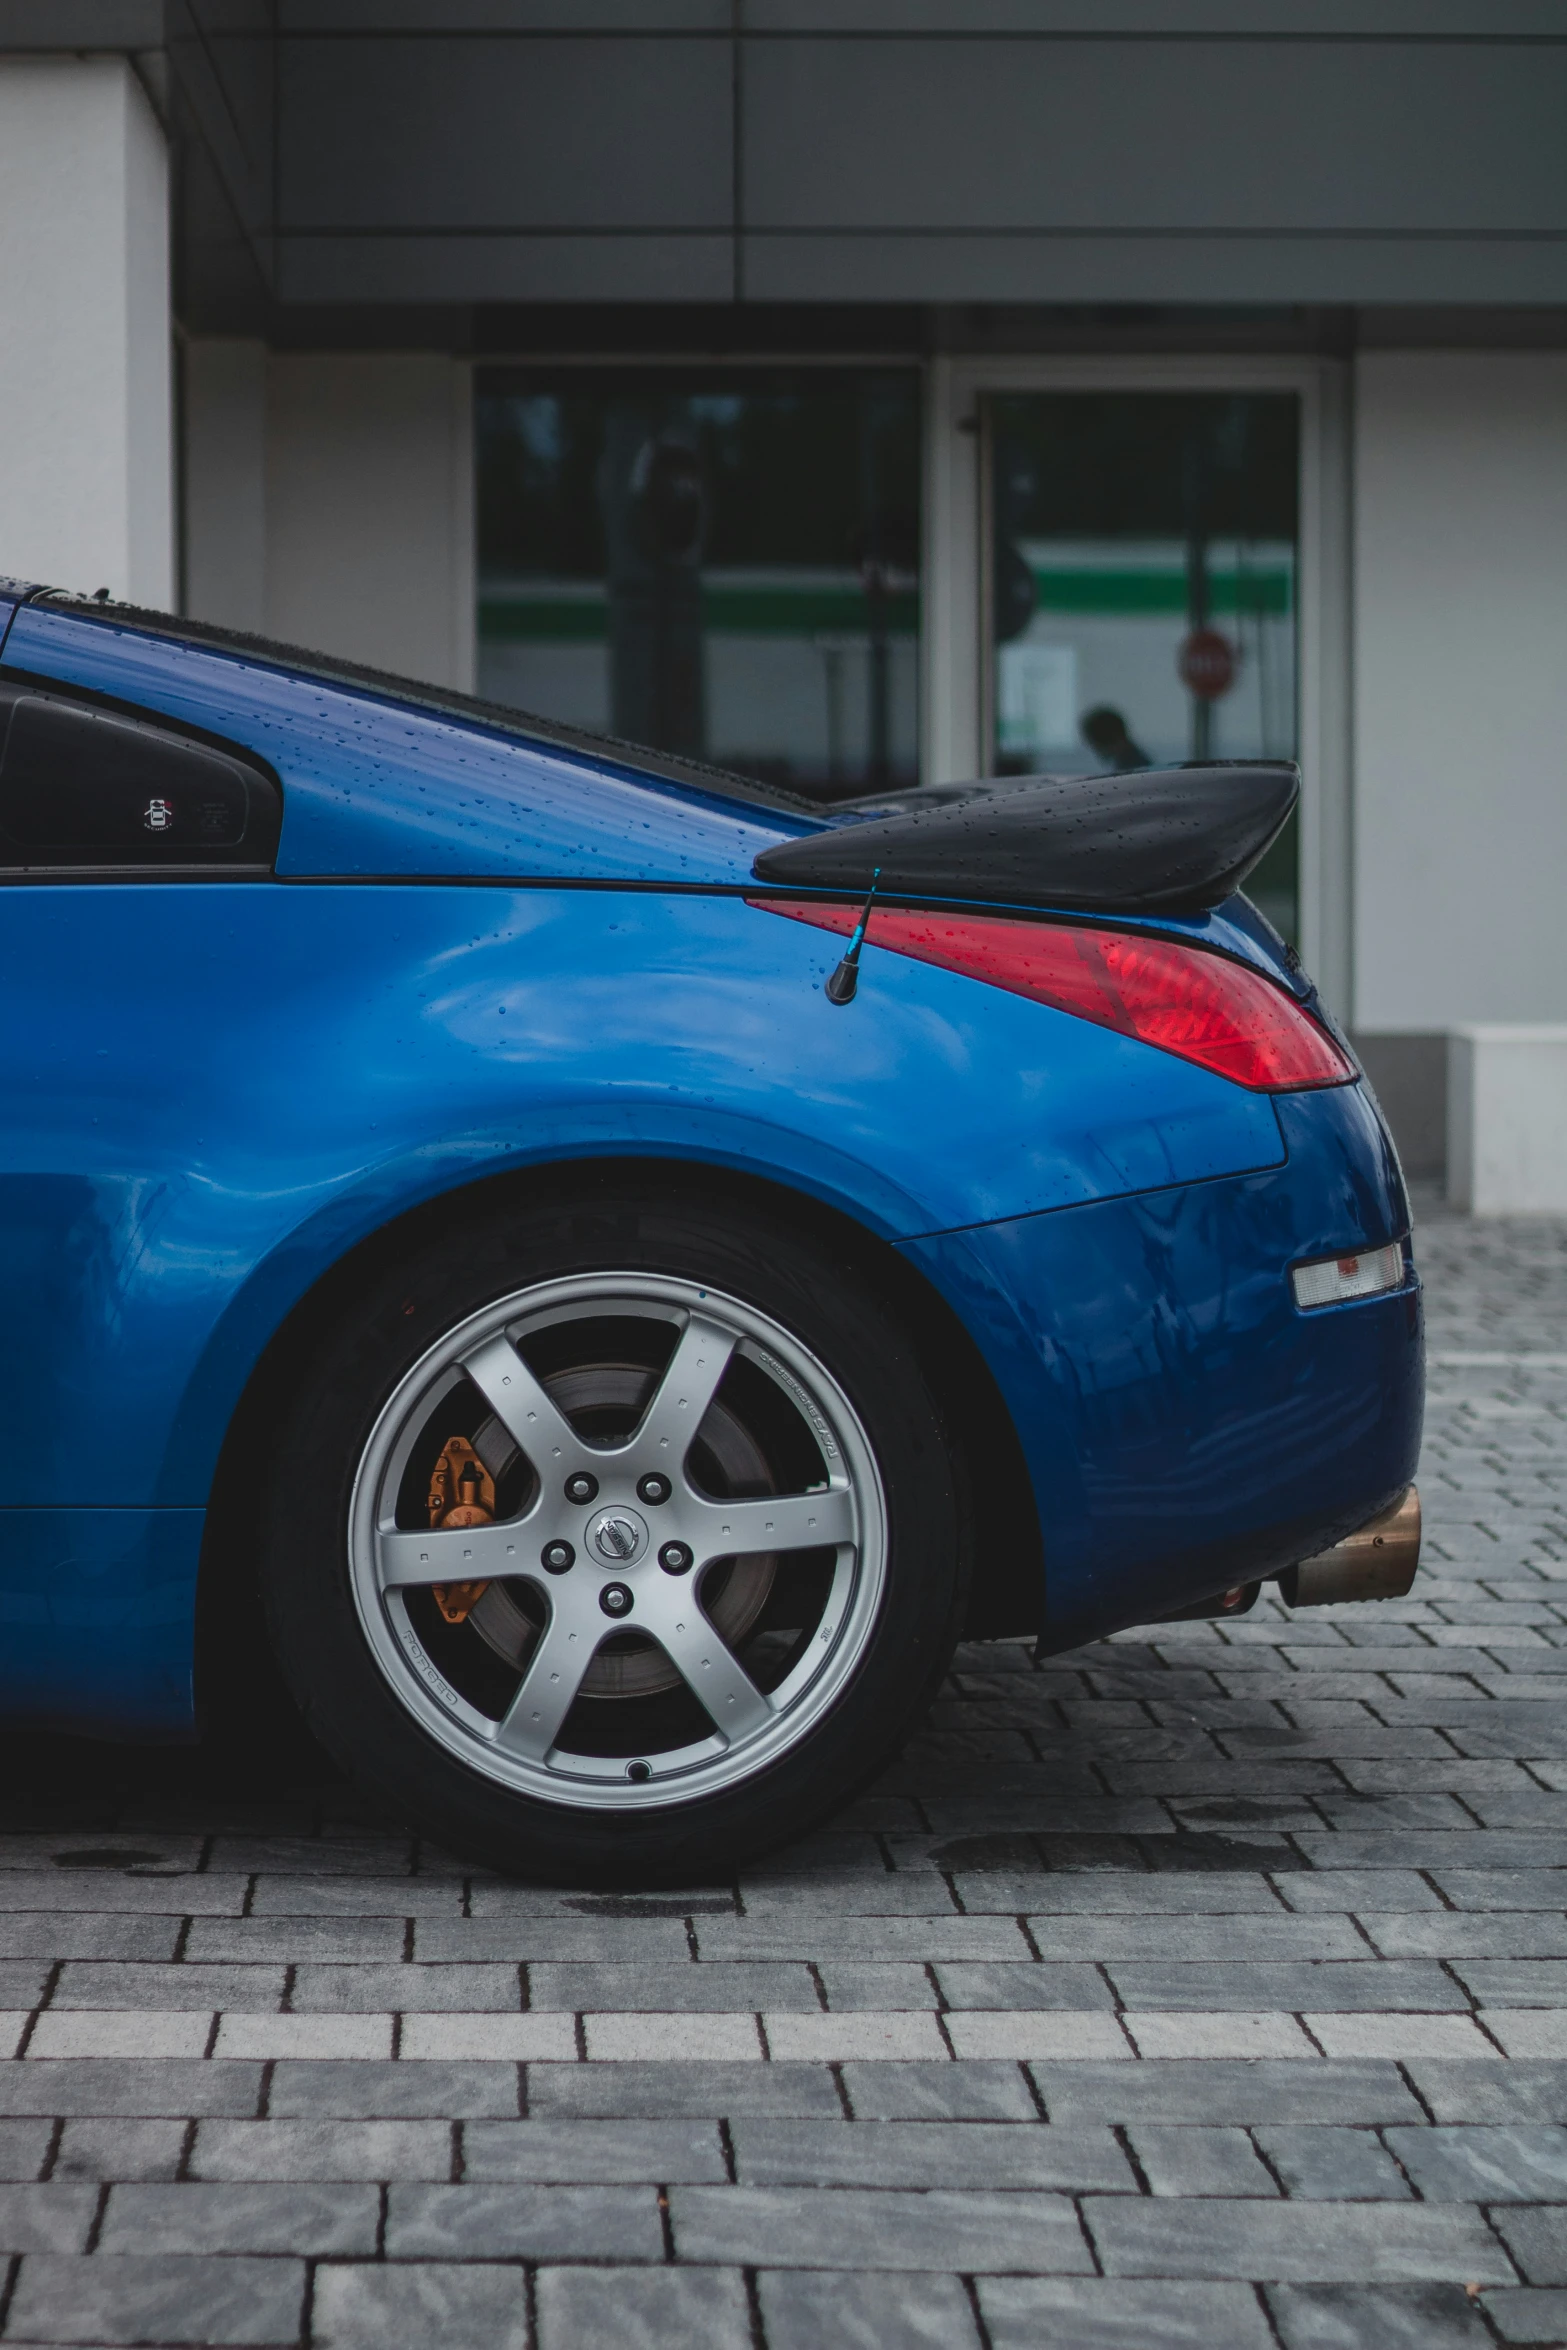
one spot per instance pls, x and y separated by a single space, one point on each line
599 1272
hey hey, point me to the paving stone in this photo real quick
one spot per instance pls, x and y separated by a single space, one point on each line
1493 2092
965 2090
1387 1890
349 2090
1182 2160
607 1941
822 1938
131 2085
1233 2033
22 1983
152 2297
910 1891
526 2223
171 1893
1217 1941
1527 2031
23 2145
1119 2313
708 1988
643 2309
133 2032
68 1934
593 2151
867 2153
296 1895
865 2033
1525 2162
731 2039
270 2036
294 1941
1398 2036
1365 1984
1526 2314
53 2218
112 2148
1227 2090
495 2039
88 1983
1309 2243
1003 1983
1109 1893
1507 1934
322 2150
341 1988
419 2303
313 1856
1329 2165
1520 1982
866 2228
194 2217
852 1984
680 2091
1392 2317
1037 2033
834 2310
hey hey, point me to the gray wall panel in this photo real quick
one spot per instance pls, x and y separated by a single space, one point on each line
486 134
1126 136
1255 19
505 16
1265 269
80 24
505 269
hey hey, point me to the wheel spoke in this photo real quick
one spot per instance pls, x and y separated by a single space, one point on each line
701 1357
561 1656
460 1554
709 1669
787 1521
517 1399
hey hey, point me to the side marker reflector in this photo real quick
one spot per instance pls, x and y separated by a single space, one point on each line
1334 1280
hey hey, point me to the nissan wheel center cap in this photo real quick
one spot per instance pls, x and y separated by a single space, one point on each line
617 1537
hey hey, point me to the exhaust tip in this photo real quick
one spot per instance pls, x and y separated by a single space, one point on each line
1378 1561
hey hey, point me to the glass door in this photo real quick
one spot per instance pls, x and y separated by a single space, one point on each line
1143 588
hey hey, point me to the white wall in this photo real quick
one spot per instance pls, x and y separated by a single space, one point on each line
1460 667
329 502
86 465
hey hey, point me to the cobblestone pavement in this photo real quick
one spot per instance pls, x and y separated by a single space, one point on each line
1208 1986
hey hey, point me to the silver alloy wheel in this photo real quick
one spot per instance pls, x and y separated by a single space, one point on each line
616 1539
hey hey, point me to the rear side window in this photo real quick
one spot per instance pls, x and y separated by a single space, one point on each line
86 790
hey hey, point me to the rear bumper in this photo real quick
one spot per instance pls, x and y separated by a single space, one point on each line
1185 1425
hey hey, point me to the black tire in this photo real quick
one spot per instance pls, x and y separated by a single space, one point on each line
609 1223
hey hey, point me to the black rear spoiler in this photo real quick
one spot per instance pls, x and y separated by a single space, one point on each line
1175 840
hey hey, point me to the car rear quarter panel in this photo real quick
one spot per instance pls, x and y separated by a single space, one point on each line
1185 1425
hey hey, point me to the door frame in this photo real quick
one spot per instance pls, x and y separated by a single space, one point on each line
952 649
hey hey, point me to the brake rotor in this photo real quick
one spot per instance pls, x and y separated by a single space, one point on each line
613 1396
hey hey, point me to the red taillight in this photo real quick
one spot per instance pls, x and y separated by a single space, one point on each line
1204 1007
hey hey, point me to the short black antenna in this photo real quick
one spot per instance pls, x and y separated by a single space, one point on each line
841 983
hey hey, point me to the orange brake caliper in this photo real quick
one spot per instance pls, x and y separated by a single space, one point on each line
462 1493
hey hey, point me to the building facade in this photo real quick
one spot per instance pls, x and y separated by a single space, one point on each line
853 391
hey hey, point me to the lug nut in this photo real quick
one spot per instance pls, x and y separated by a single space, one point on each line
675 1558
615 1599
581 1488
653 1489
556 1557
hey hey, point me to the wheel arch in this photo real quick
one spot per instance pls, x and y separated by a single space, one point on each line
1007 1593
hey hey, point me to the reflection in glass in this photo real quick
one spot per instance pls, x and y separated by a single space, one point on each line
720 563
1143 588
